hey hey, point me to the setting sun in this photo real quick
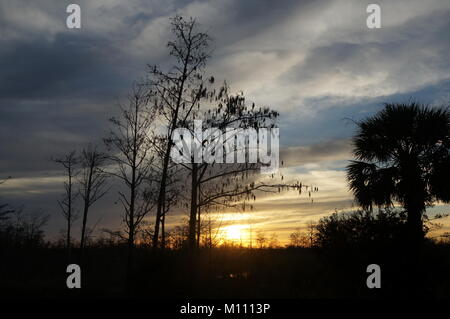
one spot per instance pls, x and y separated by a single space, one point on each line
234 232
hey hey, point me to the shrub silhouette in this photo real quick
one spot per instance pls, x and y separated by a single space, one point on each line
362 229
21 230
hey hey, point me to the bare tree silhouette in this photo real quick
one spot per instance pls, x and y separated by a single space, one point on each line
92 183
130 146
69 162
178 91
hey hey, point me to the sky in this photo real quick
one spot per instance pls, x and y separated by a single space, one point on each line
316 62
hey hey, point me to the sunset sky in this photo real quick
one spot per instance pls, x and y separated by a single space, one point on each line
316 62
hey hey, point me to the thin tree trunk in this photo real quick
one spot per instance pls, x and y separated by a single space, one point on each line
198 227
132 205
68 240
161 198
83 232
163 230
85 213
193 214
69 219
198 217
131 235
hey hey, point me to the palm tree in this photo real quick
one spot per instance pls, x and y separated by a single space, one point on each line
403 155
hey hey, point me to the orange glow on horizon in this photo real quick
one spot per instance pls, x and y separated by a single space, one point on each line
235 233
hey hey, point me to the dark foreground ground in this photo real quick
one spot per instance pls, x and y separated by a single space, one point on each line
228 273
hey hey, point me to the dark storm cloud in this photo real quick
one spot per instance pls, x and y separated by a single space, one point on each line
55 96
68 66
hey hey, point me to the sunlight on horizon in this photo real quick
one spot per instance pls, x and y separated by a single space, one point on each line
236 233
